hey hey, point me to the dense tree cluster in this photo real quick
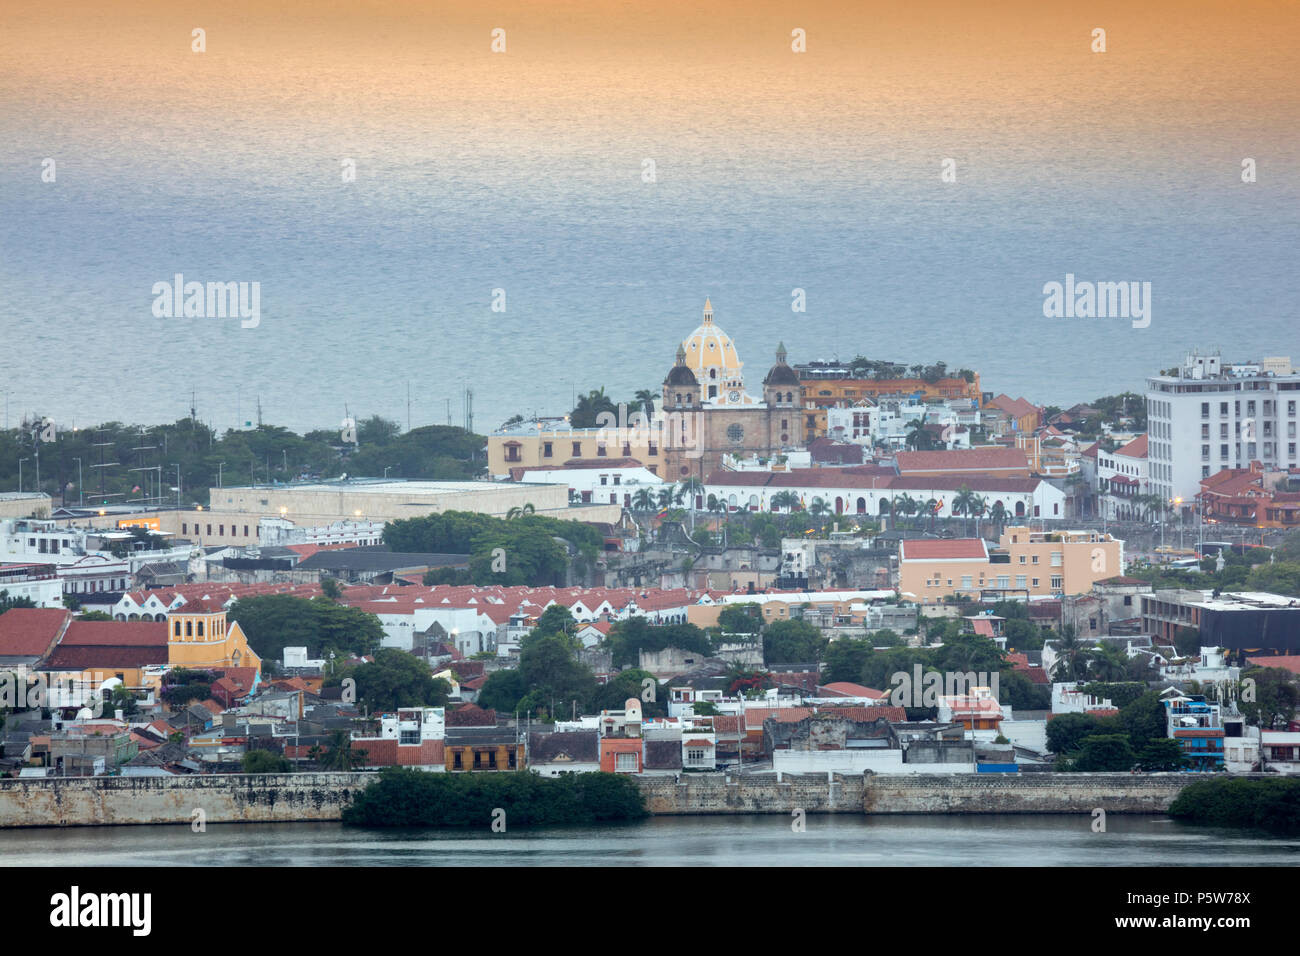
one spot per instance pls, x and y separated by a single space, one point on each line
262 453
409 798
275 621
527 549
393 679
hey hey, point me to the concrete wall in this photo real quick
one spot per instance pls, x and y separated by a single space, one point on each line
235 798
280 798
758 793
1032 793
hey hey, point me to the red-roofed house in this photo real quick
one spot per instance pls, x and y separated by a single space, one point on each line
1123 477
929 570
1249 496
847 689
28 634
986 461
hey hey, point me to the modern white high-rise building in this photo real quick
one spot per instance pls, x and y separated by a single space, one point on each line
1206 416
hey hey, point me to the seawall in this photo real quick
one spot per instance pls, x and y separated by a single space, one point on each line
228 798
283 798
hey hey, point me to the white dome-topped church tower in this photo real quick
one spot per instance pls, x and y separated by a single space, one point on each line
712 357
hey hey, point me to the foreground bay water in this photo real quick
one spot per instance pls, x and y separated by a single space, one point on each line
1048 840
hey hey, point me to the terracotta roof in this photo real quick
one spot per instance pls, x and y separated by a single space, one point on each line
1016 407
471 715
963 459
1137 448
31 631
105 656
927 549
1290 662
116 633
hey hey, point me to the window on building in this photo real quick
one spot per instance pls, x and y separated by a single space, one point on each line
546 449
600 449
625 763
577 449
1056 582
1020 581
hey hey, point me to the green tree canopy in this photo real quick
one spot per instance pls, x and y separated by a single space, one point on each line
792 642
394 679
275 621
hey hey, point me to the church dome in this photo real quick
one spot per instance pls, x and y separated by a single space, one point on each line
710 353
781 373
680 374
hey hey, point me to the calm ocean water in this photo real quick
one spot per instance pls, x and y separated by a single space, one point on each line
688 841
468 182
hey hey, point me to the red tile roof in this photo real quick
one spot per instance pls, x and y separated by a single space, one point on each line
31 631
1137 448
1290 662
926 549
116 633
1016 407
963 459
105 657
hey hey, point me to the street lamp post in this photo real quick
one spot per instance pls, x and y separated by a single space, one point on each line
81 496
20 474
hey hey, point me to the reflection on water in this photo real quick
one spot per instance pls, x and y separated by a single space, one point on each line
1056 840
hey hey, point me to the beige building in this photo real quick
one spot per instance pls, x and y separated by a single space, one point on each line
234 513
24 504
1026 564
552 442
705 414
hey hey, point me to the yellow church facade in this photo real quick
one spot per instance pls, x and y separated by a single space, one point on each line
199 636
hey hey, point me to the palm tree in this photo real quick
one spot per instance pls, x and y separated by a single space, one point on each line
666 495
918 438
963 503
998 515
647 400
643 500
907 504
1108 664
979 505
520 512
718 505
688 490
341 754
314 754
784 499
1071 657
819 508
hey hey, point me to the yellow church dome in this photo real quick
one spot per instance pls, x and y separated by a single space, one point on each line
711 354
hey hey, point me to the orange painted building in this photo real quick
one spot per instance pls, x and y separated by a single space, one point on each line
1026 563
821 394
